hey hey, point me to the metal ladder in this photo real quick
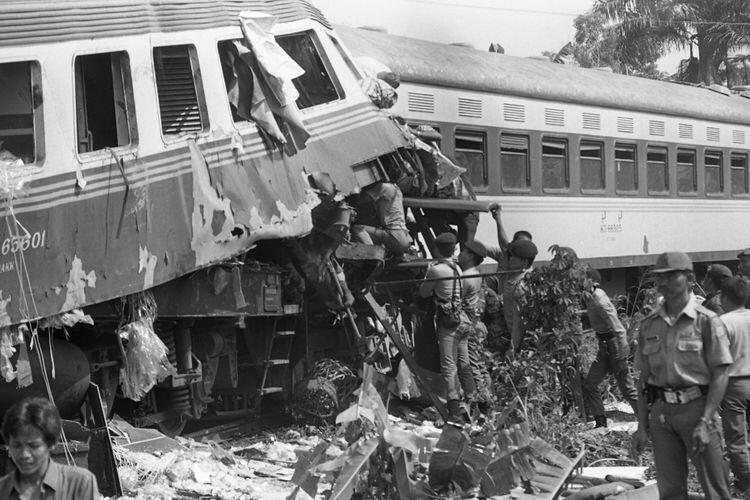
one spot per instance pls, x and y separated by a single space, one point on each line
277 357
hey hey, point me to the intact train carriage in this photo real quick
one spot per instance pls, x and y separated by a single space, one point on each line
620 168
124 168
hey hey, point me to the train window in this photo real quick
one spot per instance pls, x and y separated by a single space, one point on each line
657 179
21 112
554 163
687 177
514 161
626 168
316 85
105 115
739 174
471 154
592 166
714 175
182 106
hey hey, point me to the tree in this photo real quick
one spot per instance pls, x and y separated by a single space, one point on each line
643 30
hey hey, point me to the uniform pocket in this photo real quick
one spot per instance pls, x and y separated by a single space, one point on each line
651 345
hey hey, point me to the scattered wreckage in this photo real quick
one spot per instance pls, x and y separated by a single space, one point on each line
175 206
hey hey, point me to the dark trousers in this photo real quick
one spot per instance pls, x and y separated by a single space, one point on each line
671 427
610 358
733 413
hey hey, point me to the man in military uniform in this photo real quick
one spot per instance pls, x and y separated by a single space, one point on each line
455 367
612 355
716 274
683 354
744 268
521 255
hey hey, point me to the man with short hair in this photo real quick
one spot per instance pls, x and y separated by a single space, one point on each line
521 255
683 354
734 294
388 203
612 355
716 274
469 259
454 355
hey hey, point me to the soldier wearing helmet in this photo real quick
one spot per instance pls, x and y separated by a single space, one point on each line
683 353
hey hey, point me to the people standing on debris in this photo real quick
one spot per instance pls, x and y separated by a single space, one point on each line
716 274
469 260
521 255
388 202
684 356
612 355
735 293
31 429
454 354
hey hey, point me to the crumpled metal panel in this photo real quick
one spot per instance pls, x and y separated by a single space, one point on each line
430 63
44 21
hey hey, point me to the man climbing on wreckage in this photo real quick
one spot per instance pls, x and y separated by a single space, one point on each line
455 365
391 230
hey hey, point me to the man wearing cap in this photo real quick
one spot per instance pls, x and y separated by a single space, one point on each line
521 255
612 355
683 354
716 274
454 354
469 259
734 294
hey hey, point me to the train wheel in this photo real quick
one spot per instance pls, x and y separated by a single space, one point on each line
173 426
178 400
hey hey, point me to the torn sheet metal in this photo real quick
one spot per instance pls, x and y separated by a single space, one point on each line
147 265
78 281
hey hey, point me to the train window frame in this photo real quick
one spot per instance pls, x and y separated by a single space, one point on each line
468 132
693 166
325 62
720 168
123 107
746 168
198 87
654 148
36 121
620 146
566 167
512 189
602 166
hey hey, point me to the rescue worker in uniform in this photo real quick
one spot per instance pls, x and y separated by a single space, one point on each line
744 268
521 255
469 259
454 355
734 408
683 354
612 355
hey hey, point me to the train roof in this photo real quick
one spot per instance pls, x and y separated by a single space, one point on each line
431 63
45 21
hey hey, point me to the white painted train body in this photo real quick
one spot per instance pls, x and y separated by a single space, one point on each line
619 168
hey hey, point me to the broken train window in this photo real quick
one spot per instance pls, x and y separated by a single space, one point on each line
319 84
105 115
21 123
182 106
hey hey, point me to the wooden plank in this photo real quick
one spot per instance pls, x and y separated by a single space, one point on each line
382 316
448 204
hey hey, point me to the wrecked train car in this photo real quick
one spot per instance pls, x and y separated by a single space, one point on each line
151 146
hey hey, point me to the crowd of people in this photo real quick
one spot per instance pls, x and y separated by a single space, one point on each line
693 354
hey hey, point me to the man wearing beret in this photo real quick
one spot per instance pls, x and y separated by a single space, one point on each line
454 354
716 274
683 354
469 259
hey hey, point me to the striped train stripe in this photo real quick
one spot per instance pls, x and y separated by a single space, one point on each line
170 164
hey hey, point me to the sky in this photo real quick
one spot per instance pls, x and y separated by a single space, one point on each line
523 28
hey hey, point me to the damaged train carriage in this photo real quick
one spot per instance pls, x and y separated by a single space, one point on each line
166 146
